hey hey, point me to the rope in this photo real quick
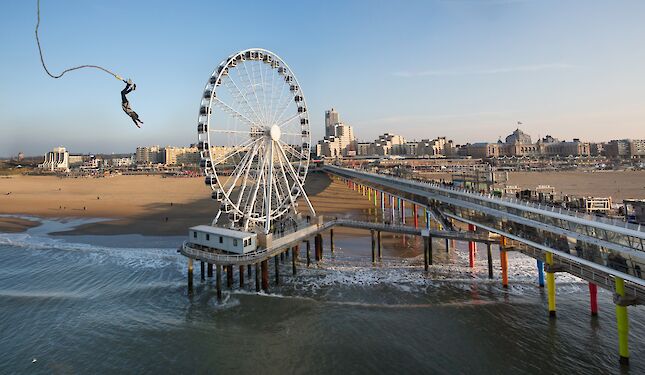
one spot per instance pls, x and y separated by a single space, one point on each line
42 60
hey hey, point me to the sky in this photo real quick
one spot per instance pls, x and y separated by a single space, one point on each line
465 69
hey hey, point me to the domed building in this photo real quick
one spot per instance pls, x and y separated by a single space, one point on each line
518 136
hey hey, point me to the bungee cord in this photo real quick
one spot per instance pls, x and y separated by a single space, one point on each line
129 85
42 59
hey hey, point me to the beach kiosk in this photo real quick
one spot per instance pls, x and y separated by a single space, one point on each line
222 239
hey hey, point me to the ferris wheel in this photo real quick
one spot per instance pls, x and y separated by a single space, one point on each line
254 139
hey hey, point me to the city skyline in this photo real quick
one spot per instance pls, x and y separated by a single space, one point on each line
440 68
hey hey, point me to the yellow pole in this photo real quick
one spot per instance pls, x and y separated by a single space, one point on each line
550 285
623 323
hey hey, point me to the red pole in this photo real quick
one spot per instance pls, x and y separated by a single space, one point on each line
593 294
472 248
416 217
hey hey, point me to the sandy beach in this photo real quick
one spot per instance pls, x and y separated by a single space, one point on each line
617 185
141 204
152 205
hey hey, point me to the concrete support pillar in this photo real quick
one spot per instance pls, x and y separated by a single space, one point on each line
229 276
622 322
402 207
331 240
190 275
294 255
540 268
426 214
218 281
318 247
593 298
277 270
550 284
416 215
472 247
503 259
264 265
209 268
489 257
373 236
308 252
379 253
202 273
241 277
257 277
426 239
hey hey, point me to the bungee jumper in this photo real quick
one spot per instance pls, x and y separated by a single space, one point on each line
129 86
125 104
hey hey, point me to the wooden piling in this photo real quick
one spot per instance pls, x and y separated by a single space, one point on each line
264 265
308 252
202 273
257 277
378 246
489 256
190 276
229 276
241 277
294 252
425 252
277 270
209 267
373 245
218 281
331 240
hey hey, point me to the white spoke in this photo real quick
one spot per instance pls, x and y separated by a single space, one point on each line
289 120
234 112
240 148
231 131
252 85
293 151
296 178
243 97
286 181
267 226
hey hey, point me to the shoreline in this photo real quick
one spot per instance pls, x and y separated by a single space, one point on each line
17 224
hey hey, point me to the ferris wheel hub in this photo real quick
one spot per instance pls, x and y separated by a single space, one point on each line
275 133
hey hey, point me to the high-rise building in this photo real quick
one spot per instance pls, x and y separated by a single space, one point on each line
331 119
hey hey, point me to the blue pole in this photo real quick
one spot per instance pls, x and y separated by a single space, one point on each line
540 266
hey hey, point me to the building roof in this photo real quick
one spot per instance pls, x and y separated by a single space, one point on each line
223 231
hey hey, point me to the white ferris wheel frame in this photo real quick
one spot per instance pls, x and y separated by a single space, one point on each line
275 175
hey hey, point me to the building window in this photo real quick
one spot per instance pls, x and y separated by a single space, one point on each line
208 237
194 234
221 239
235 242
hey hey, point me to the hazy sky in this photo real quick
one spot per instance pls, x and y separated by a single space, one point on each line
465 69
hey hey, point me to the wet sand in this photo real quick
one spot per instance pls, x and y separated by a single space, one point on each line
16 225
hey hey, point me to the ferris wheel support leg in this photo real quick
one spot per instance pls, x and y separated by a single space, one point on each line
297 179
